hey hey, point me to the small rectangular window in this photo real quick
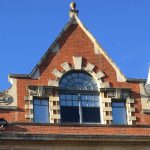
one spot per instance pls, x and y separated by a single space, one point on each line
41 111
119 112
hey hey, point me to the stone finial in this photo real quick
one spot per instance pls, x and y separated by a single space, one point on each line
72 5
73 10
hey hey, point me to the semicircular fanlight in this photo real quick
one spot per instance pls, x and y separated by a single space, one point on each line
78 81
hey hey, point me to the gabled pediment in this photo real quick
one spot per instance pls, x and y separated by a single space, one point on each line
55 47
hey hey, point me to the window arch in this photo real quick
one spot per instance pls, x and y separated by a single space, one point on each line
79 98
78 81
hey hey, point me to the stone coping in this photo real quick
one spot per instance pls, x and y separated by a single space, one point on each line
76 138
78 125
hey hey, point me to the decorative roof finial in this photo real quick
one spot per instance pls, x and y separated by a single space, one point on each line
73 10
73 5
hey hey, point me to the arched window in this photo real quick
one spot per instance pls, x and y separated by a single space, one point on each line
79 98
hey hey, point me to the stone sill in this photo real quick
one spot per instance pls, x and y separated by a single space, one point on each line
8 108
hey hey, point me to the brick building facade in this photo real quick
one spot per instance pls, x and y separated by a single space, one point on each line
75 97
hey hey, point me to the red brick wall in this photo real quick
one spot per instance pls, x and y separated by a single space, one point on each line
73 43
78 130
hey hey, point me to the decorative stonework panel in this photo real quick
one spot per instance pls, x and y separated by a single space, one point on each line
145 99
54 108
106 109
130 110
5 99
8 99
29 107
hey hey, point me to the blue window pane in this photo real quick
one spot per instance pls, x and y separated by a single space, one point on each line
37 102
118 104
68 97
88 78
41 114
76 80
119 113
75 97
44 102
90 98
75 103
81 75
91 103
63 103
84 103
62 97
69 103
89 88
64 80
96 103
74 75
95 87
62 85
81 80
83 97
96 98
69 77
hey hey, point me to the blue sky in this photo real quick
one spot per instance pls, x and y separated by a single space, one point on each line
28 27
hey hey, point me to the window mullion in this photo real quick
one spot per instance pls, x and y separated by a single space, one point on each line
80 108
